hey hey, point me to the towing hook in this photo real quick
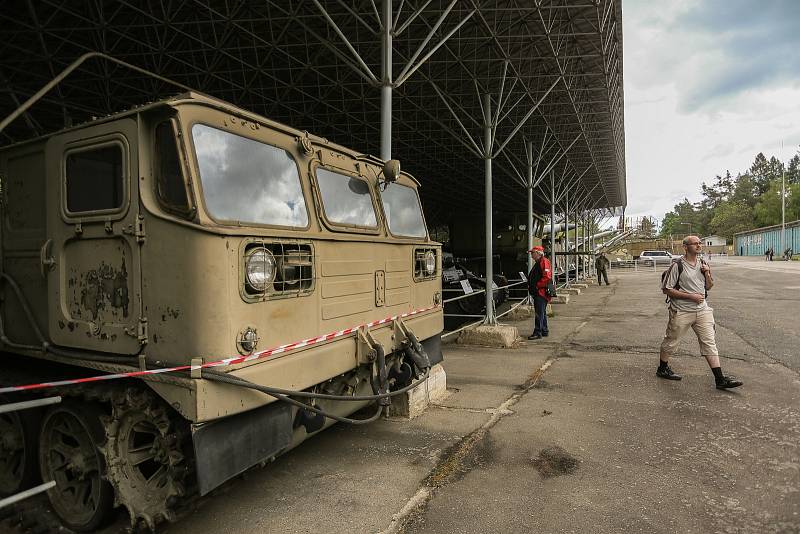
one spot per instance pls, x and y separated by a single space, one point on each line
421 363
417 353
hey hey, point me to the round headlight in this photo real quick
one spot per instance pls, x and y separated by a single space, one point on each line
259 268
430 263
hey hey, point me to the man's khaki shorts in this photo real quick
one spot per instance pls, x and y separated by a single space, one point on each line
702 323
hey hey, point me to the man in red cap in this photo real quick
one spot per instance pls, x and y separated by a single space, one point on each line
538 278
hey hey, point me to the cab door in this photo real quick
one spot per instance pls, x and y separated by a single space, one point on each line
91 257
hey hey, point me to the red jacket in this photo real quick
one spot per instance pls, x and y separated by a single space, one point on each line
539 276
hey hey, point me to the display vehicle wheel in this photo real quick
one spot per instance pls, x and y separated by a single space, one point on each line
69 454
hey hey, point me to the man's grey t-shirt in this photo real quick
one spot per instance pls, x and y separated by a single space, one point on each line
692 281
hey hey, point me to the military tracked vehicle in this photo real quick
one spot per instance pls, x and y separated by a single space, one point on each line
190 231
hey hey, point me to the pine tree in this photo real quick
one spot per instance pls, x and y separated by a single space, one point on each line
763 171
793 170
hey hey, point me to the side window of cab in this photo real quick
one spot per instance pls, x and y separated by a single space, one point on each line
95 179
170 184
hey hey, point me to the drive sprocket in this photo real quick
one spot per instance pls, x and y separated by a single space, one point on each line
145 456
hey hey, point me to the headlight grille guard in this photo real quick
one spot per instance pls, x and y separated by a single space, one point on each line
420 273
294 266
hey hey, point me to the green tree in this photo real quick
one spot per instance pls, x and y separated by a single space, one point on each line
731 217
745 190
793 202
764 171
768 209
793 170
686 215
720 191
729 205
669 225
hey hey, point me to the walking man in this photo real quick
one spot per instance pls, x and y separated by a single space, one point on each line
538 278
601 264
686 284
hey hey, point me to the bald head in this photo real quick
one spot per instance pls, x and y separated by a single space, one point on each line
692 246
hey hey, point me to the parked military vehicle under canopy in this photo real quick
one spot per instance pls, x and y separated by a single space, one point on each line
181 233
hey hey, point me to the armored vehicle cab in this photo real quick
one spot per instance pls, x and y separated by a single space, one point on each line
190 232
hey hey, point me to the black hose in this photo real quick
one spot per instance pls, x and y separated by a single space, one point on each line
213 375
222 377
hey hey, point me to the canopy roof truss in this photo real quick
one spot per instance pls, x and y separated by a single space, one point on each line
552 68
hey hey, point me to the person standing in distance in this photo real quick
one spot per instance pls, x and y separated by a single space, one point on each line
601 264
540 275
686 290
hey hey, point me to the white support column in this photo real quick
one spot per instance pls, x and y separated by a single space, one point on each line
783 209
386 82
588 247
581 269
566 238
575 238
487 165
584 244
529 149
553 224
591 245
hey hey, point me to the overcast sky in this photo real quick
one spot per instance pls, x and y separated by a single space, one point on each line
708 85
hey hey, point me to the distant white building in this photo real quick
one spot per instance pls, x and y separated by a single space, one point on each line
714 241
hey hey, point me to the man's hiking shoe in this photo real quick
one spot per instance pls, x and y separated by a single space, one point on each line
535 336
668 373
728 382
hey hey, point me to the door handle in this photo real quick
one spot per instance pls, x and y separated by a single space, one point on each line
46 262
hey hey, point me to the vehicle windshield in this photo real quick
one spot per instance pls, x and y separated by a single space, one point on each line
346 199
403 212
247 181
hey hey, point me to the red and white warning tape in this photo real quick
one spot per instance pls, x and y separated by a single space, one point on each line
260 355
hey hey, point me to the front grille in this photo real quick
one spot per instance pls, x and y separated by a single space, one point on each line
419 264
294 269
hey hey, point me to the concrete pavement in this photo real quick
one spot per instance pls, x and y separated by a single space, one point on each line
571 433
602 445
593 442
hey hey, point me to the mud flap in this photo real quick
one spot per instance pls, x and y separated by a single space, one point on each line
229 446
433 346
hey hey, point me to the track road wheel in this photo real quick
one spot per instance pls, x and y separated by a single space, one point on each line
69 454
145 457
19 468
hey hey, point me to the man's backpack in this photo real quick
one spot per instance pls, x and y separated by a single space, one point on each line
679 263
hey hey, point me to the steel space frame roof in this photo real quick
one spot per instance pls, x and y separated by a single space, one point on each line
552 68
